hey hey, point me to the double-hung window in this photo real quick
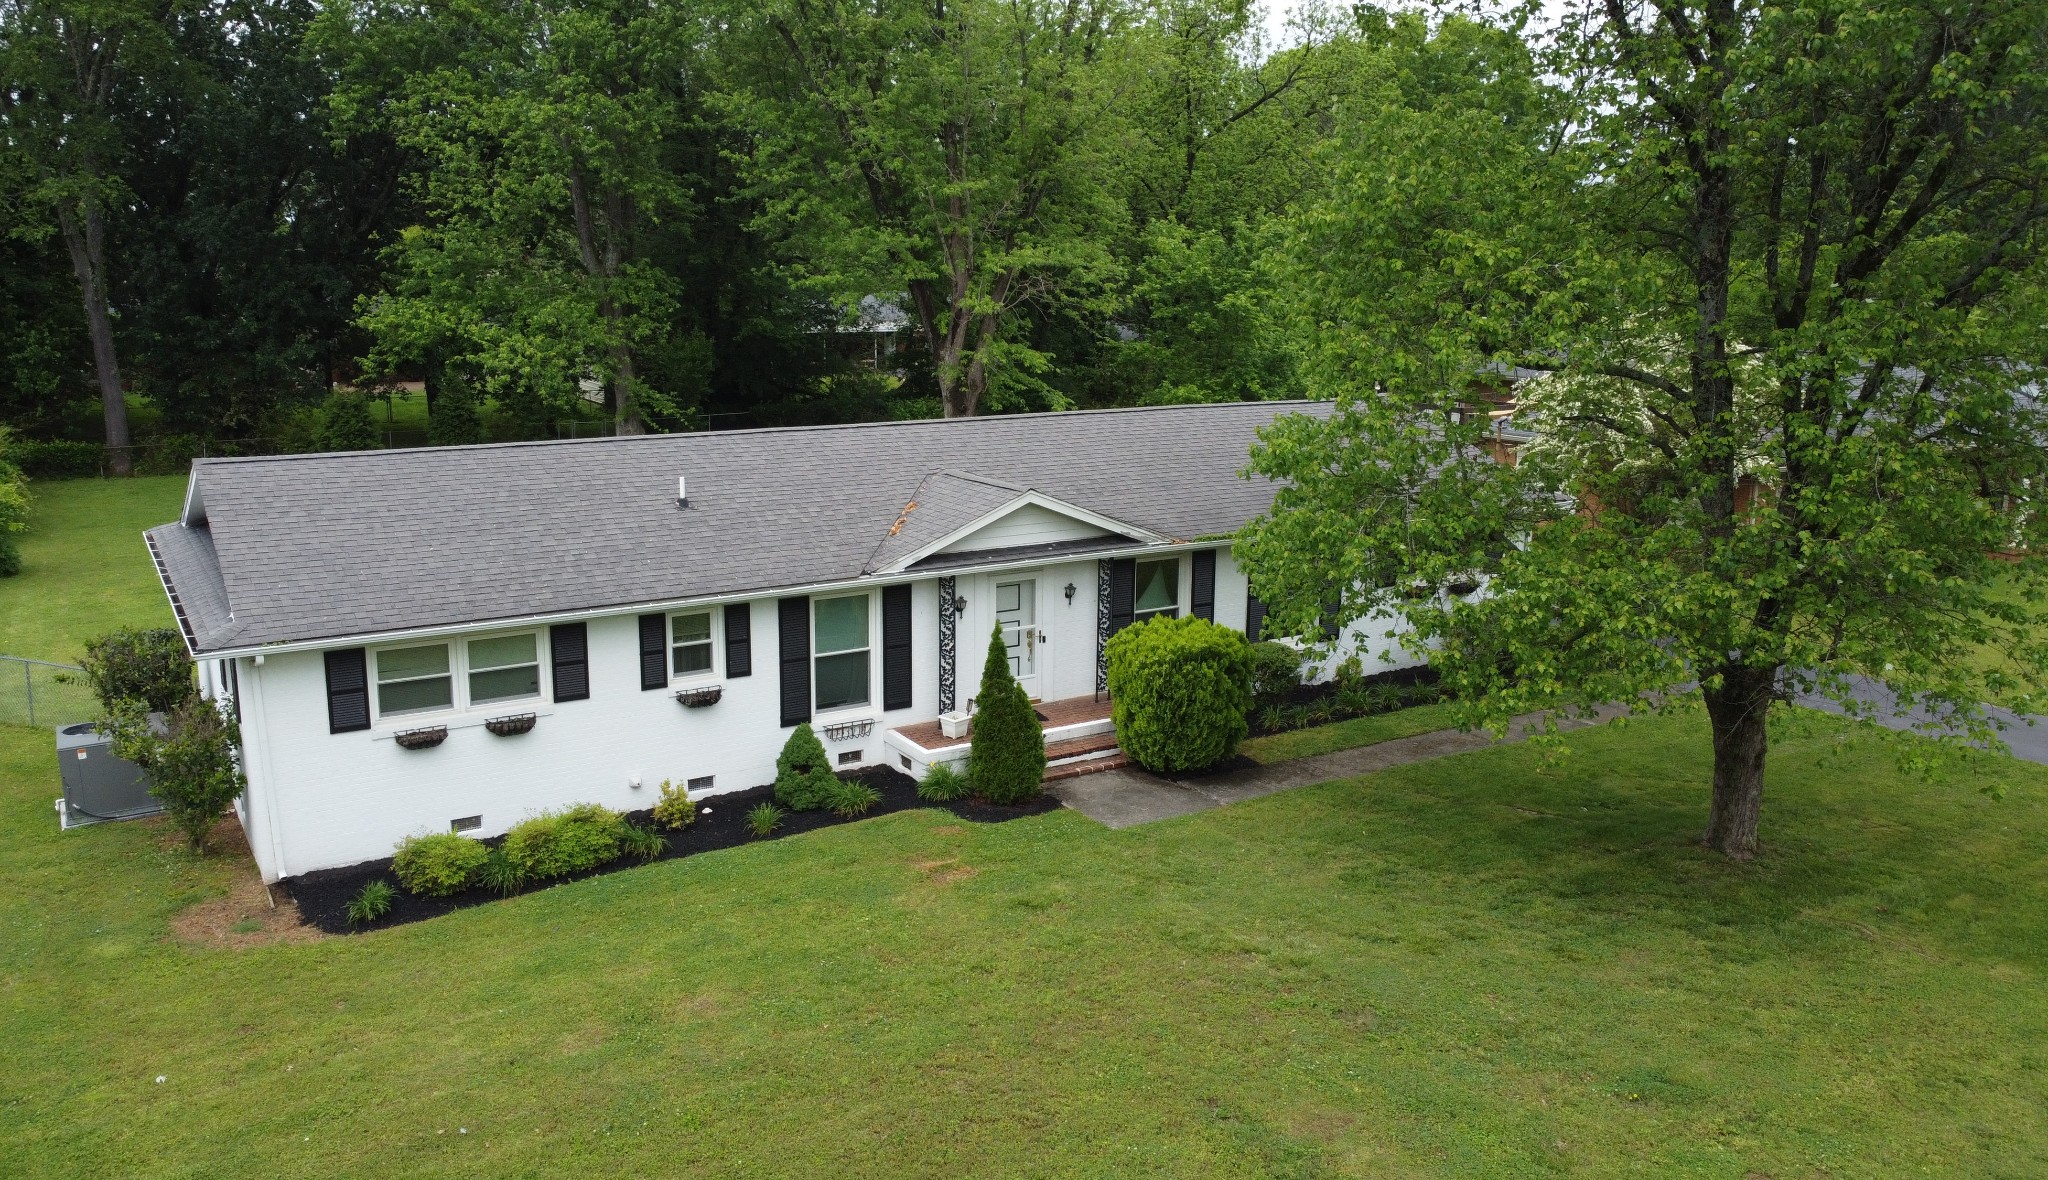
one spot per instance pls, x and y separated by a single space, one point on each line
1158 590
839 645
690 643
414 680
504 668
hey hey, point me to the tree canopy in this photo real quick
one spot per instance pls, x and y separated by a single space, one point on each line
1778 275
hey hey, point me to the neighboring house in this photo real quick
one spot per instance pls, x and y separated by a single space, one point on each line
458 637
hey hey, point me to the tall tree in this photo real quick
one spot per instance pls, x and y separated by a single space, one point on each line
1784 265
949 150
540 127
64 65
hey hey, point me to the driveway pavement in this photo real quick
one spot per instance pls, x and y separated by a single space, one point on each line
1129 796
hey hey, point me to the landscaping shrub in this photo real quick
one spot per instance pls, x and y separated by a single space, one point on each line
371 904
1179 689
763 819
1006 750
438 864
13 508
642 843
169 454
57 459
132 664
942 784
454 420
1276 673
346 425
190 759
557 843
803 774
499 875
676 810
850 798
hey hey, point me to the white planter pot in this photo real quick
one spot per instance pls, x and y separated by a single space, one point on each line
953 725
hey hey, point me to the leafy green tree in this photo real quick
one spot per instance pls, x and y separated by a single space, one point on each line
1006 751
950 153
134 664
191 761
1784 267
540 127
63 66
454 420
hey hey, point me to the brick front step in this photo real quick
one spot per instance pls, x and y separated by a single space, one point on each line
1080 747
1091 766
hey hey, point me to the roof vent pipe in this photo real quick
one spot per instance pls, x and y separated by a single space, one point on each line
682 491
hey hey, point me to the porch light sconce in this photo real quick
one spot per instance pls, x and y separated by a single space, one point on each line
1070 593
959 606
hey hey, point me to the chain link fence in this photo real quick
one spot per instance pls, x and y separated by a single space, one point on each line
37 692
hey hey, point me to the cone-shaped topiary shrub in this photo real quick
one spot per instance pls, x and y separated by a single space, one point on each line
803 775
1006 754
1179 690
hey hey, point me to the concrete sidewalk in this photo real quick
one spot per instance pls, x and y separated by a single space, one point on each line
1130 796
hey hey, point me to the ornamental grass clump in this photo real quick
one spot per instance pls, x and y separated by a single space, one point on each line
803 774
942 784
438 864
1179 689
558 843
852 797
1006 750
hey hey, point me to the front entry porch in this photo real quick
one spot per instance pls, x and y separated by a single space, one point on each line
1079 738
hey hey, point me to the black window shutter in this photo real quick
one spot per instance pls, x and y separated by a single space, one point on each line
234 686
653 652
895 647
794 653
348 691
1123 592
739 639
569 650
1330 628
1254 617
1202 595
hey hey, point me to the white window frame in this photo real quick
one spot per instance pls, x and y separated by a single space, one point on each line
540 669
716 615
874 626
458 673
1179 590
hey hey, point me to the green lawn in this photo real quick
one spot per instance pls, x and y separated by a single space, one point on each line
1470 967
1482 966
1343 735
85 569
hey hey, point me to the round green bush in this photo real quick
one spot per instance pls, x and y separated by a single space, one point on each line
439 864
1276 673
557 843
1006 747
803 774
1179 690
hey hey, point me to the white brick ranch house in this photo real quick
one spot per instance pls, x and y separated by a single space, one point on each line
420 640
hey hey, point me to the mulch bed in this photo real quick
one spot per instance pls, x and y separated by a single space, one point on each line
323 896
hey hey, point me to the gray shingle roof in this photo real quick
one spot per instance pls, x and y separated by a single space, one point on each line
310 547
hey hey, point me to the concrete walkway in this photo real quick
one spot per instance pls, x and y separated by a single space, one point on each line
1130 796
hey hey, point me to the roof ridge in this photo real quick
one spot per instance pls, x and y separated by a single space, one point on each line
237 460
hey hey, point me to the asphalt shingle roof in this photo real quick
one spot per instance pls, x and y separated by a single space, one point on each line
308 547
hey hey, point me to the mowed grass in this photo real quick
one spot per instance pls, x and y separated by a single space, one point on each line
85 569
1343 735
1470 967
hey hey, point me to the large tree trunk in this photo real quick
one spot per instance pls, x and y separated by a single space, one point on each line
85 239
1738 710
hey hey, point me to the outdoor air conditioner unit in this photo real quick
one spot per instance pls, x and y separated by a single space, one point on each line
98 786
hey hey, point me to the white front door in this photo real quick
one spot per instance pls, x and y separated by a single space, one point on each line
1017 615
